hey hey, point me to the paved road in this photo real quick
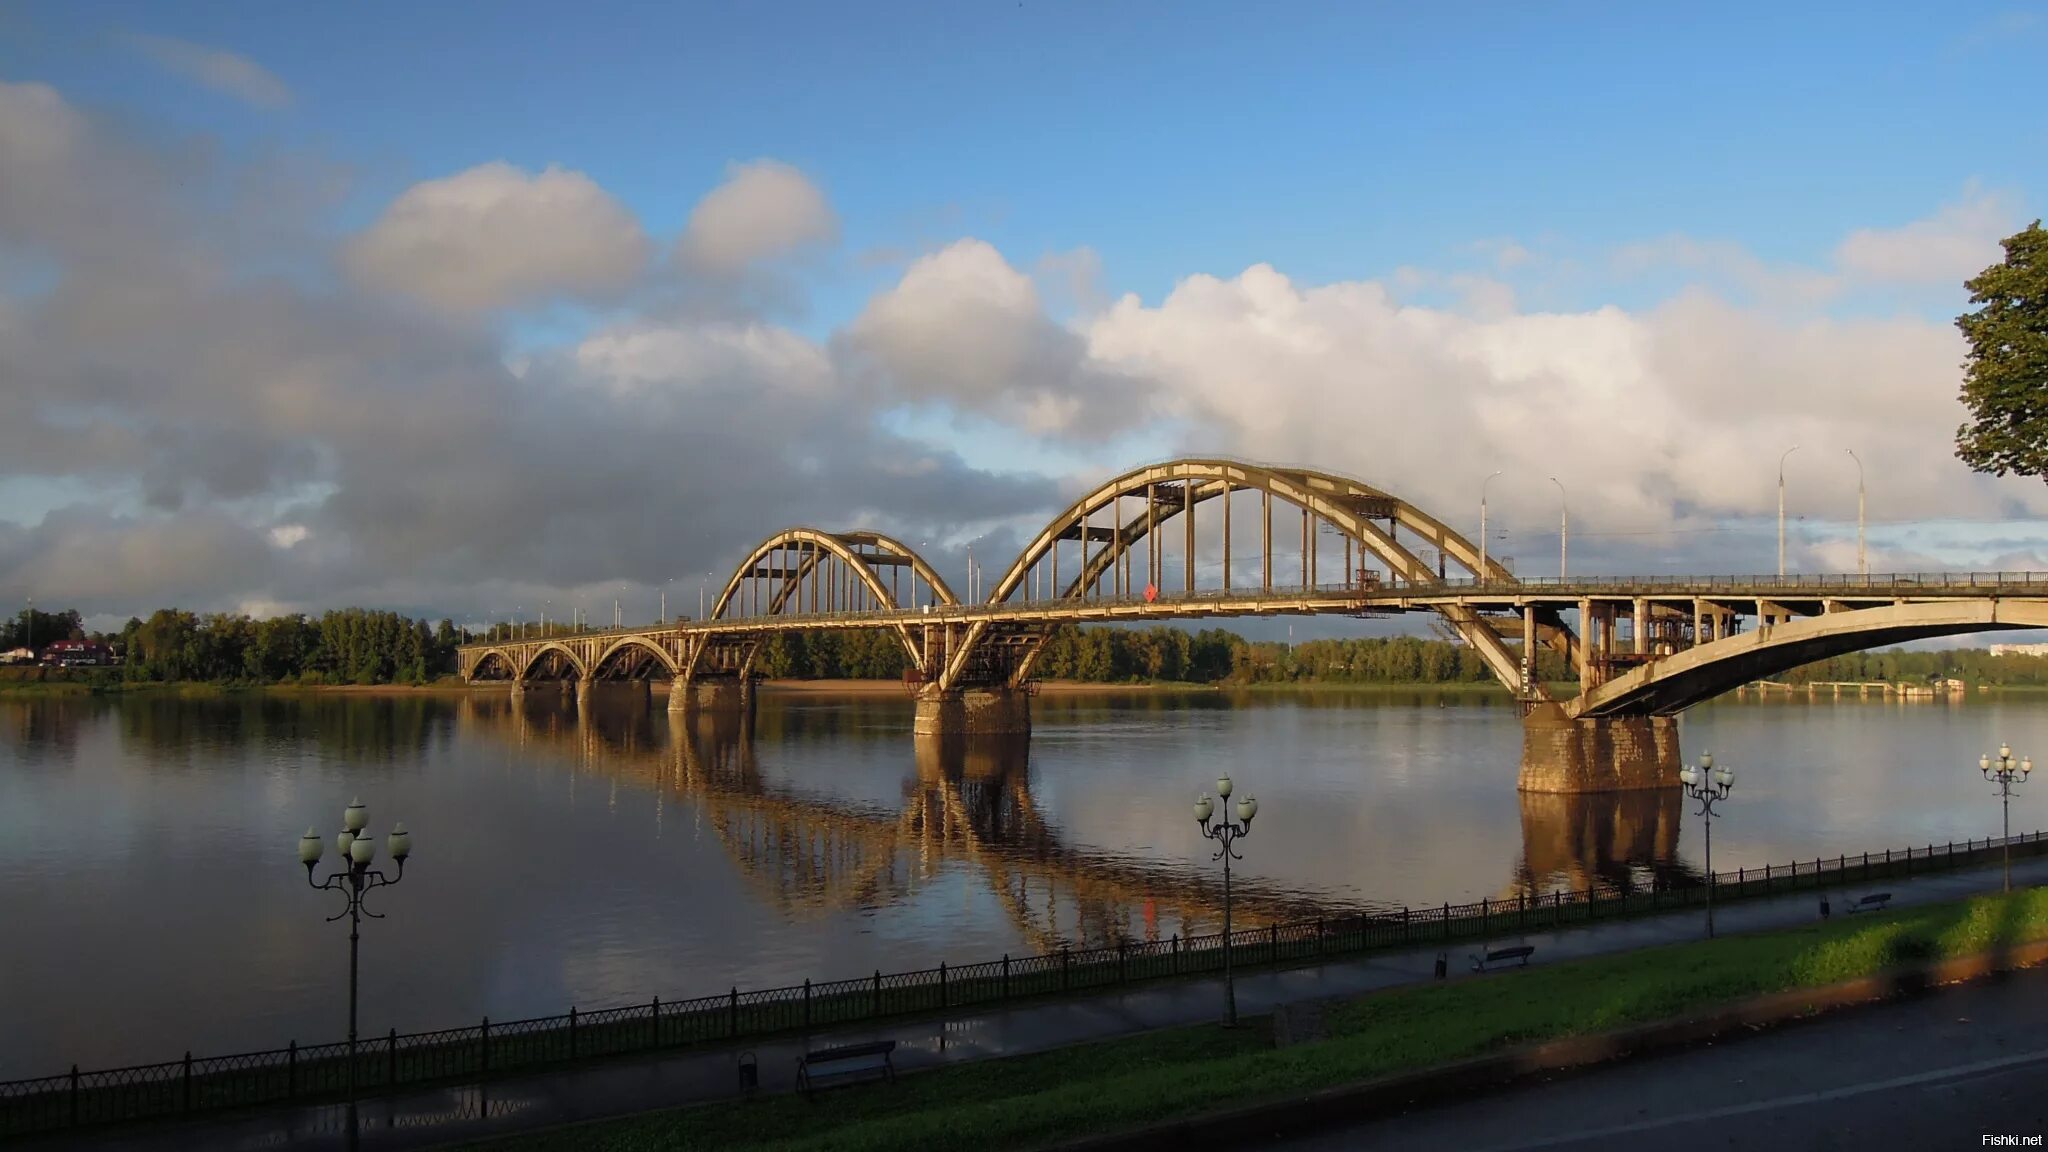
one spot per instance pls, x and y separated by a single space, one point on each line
422 1118
1937 1072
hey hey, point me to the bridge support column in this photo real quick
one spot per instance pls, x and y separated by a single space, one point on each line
583 688
972 711
1602 754
727 695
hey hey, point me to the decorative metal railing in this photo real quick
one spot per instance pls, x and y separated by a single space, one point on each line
296 1074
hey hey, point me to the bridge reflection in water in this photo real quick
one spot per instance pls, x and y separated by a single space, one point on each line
966 806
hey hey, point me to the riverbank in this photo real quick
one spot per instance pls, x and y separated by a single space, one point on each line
62 685
1097 1092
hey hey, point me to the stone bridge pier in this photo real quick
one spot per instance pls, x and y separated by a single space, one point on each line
986 711
712 695
1566 754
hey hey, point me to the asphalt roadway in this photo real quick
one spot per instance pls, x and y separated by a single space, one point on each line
1939 1071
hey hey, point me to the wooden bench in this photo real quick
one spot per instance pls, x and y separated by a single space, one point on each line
1875 902
844 1064
1498 956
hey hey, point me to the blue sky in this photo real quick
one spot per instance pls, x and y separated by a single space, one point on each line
1639 247
1331 140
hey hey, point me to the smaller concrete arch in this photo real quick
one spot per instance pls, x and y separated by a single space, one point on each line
541 654
497 659
631 643
808 548
1679 681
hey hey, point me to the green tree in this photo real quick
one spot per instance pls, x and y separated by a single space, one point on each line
2005 378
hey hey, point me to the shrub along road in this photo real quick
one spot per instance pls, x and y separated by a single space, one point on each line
1933 1072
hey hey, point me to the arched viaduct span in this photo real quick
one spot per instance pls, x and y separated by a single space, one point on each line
1214 537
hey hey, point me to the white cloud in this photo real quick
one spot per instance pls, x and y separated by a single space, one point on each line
496 236
1647 417
765 209
646 356
1953 245
964 327
215 68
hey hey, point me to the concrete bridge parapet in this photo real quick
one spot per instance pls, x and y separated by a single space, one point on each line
973 712
1564 754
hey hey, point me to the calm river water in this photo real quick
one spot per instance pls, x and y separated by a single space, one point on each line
151 900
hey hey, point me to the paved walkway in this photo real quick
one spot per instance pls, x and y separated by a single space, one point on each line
430 1117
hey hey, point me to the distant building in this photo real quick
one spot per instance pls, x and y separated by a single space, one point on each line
78 654
2019 649
18 656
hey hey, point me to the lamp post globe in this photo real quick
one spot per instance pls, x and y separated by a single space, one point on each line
1707 784
2005 773
1226 833
354 879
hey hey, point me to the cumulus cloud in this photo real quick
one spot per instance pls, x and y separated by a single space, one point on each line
964 327
215 68
248 428
765 210
1947 248
497 236
249 438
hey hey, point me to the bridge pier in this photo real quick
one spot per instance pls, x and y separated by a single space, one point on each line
1562 754
972 711
718 695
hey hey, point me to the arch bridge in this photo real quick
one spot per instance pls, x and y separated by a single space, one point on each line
1205 537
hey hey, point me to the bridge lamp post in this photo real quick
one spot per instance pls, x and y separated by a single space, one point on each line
354 879
1482 525
2006 773
1226 834
1707 784
1781 507
1564 526
1862 557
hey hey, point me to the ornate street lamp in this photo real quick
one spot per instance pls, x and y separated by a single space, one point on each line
354 879
2006 773
1226 833
1707 784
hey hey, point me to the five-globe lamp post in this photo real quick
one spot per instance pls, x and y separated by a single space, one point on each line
2006 772
1226 833
1707 784
354 879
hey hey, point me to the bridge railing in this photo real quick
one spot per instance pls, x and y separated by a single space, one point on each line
321 1072
1876 585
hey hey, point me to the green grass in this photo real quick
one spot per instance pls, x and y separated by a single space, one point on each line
1030 1101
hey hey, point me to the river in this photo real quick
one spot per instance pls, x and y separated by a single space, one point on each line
151 899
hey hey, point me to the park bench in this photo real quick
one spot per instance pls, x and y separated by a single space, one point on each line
1875 902
1499 956
848 1062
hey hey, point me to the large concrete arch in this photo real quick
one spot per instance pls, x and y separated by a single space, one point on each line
1677 682
1351 507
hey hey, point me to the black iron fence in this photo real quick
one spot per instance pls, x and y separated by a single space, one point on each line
296 1074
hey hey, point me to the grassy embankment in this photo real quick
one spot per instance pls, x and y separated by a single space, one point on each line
1028 1101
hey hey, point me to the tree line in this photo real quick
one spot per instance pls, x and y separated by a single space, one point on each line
1129 655
363 646
340 646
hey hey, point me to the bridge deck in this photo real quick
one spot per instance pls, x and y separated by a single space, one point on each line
1800 595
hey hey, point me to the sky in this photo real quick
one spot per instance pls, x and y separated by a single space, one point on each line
466 308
